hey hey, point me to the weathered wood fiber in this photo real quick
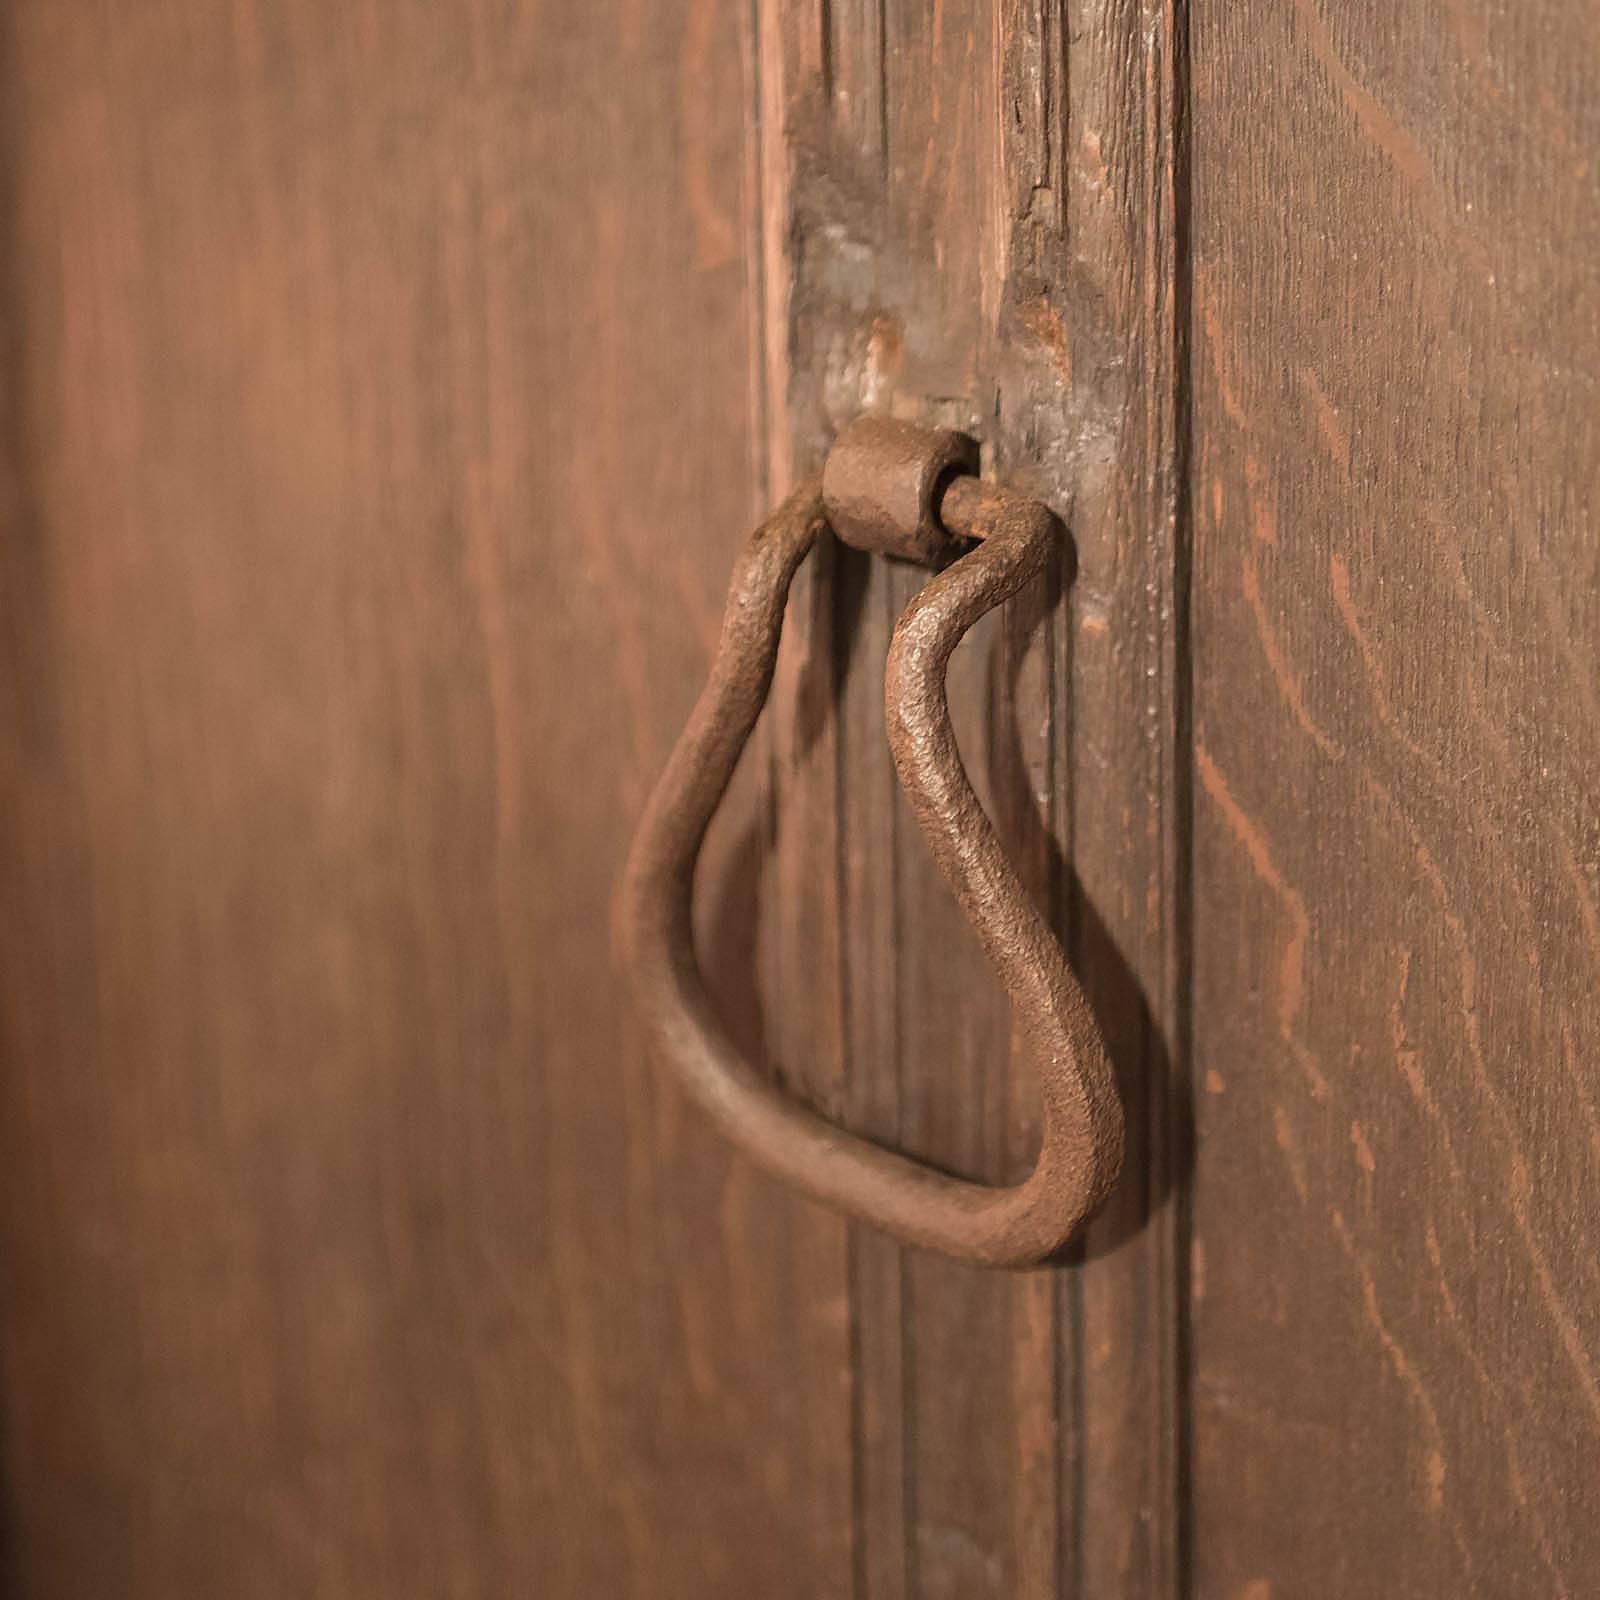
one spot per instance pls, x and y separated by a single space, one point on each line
1397 754
970 220
378 430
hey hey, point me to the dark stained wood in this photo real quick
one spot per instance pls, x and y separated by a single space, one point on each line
1396 1297
385 392
379 422
384 400
968 243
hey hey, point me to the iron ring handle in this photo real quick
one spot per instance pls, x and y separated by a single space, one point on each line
1081 1150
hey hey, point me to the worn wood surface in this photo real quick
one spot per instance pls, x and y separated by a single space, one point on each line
1397 802
970 221
384 395
379 420
383 404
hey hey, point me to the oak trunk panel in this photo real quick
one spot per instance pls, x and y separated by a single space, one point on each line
385 394
1396 238
379 430
967 243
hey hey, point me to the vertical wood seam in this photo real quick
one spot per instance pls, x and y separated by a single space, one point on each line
1179 853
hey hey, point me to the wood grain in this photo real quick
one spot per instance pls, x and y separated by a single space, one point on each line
1396 341
970 244
379 422
384 396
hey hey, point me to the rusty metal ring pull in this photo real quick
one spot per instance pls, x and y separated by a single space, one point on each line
904 491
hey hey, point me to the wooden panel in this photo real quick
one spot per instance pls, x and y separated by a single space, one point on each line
378 430
1396 613
968 243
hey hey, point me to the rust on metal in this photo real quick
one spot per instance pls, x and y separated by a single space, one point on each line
919 505
881 485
